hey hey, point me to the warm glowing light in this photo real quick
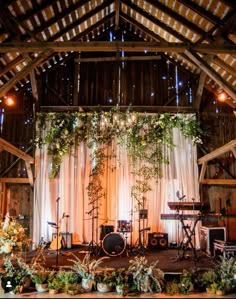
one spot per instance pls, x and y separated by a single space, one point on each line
9 101
222 96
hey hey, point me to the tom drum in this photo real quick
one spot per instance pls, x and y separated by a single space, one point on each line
113 244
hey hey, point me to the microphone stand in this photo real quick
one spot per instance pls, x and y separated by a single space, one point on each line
67 216
57 228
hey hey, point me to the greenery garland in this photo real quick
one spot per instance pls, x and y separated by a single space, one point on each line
143 135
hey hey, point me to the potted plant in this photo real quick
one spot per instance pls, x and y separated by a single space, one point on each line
147 277
123 281
86 268
186 283
104 281
54 284
67 279
40 279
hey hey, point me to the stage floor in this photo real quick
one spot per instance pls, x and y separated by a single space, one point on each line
169 260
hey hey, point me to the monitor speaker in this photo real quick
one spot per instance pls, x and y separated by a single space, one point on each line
157 240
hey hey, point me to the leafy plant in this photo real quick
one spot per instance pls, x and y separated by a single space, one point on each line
147 277
66 278
40 277
186 283
86 267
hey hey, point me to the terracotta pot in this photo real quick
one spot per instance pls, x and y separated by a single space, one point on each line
53 291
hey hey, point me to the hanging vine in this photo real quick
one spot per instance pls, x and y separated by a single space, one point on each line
143 136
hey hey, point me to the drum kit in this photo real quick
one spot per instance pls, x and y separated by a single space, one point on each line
115 243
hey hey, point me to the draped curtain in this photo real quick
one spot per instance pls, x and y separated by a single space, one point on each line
66 195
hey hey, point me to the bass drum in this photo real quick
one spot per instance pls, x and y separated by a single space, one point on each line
113 244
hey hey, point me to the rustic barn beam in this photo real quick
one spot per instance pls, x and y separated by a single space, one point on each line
15 180
80 20
225 66
117 16
218 152
200 11
119 58
15 151
155 21
218 182
107 46
25 71
176 16
141 109
212 74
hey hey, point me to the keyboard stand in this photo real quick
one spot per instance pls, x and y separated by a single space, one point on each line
188 232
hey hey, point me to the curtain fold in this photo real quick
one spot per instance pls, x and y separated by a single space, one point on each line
181 174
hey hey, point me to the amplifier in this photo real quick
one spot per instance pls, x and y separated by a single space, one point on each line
208 235
158 240
67 239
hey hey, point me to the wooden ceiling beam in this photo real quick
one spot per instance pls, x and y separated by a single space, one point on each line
117 17
107 46
200 11
24 72
156 21
225 66
119 58
80 20
213 75
218 152
15 151
176 16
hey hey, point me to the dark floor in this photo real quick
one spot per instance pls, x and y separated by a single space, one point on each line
169 260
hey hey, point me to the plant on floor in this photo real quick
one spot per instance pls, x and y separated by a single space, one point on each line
104 280
123 281
186 283
227 273
172 287
66 278
147 277
86 267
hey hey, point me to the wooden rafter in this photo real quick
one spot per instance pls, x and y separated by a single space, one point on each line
117 17
4 145
25 71
212 74
230 146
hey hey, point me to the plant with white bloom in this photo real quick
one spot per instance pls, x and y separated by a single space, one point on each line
12 237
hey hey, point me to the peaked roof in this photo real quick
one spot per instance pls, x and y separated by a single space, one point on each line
199 35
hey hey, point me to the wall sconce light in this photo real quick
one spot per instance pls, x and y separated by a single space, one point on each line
234 111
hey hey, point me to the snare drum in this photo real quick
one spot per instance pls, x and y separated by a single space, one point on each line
113 244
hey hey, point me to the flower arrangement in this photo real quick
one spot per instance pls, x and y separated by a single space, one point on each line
13 238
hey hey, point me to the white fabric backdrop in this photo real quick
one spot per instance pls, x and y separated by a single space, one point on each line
181 174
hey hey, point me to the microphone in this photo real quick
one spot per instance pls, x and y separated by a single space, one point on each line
180 197
58 199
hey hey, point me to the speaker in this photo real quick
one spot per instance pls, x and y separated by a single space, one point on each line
157 240
208 235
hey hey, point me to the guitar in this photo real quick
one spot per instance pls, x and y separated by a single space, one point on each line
57 239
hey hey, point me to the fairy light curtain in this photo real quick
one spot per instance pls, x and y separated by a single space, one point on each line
70 187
